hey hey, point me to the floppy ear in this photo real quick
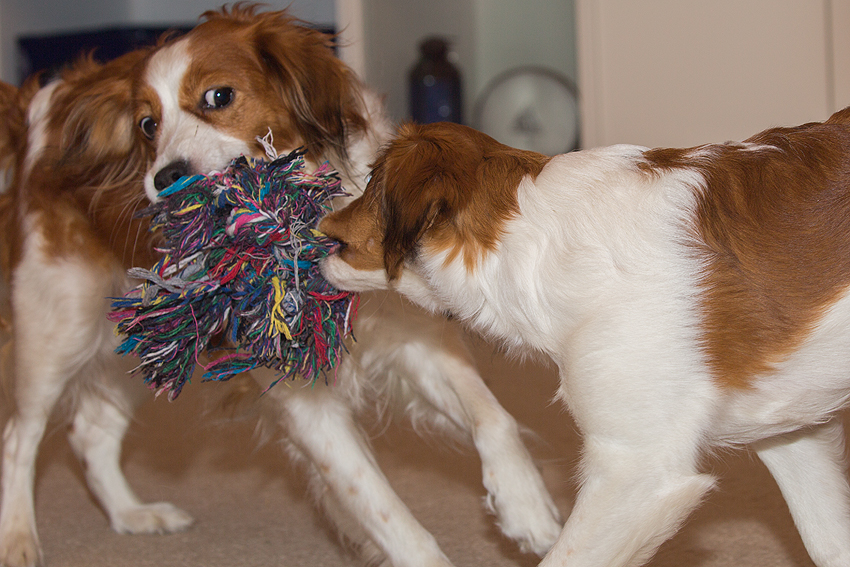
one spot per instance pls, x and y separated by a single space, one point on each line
12 130
96 124
14 103
321 91
94 160
426 182
11 123
451 183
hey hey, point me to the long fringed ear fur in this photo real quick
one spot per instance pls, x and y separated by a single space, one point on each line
427 178
98 139
13 131
322 93
94 158
454 184
11 124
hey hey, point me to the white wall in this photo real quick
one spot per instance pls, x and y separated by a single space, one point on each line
41 17
488 36
159 12
673 73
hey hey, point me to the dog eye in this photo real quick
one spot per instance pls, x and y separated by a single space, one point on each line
148 126
218 97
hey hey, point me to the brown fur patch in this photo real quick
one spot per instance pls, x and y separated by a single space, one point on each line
358 228
447 187
13 132
774 226
87 183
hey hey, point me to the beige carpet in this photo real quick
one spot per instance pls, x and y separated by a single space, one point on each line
251 509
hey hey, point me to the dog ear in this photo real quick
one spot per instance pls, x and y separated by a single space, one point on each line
11 123
14 103
322 92
96 123
12 132
453 183
427 177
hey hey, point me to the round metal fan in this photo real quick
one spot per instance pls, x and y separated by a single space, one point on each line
532 108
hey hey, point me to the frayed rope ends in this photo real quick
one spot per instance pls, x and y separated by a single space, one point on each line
239 267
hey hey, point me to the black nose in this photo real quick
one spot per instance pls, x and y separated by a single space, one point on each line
171 173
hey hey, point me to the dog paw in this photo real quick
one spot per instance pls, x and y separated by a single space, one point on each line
523 507
534 525
20 550
157 518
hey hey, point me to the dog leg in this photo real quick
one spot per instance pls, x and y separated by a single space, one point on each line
39 383
19 544
46 357
320 424
349 530
424 362
96 435
809 468
629 504
446 378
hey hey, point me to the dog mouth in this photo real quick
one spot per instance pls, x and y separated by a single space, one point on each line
335 247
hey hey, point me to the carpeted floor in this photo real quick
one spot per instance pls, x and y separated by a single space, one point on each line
251 508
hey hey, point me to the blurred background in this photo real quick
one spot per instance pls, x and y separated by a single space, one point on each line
551 75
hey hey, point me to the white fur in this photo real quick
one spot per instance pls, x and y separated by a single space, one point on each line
400 351
596 273
37 117
63 345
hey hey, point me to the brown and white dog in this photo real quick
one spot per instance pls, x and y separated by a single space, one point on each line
91 146
68 236
692 298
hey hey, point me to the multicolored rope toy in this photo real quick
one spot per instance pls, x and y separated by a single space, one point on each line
239 268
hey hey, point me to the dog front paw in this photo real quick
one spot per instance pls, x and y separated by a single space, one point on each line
535 524
20 549
157 518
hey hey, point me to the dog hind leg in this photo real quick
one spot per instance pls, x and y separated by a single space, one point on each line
45 357
349 530
40 380
809 468
19 544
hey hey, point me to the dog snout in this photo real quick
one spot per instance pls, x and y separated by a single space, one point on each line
171 173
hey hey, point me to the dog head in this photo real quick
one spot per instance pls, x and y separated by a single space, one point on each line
241 75
439 194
